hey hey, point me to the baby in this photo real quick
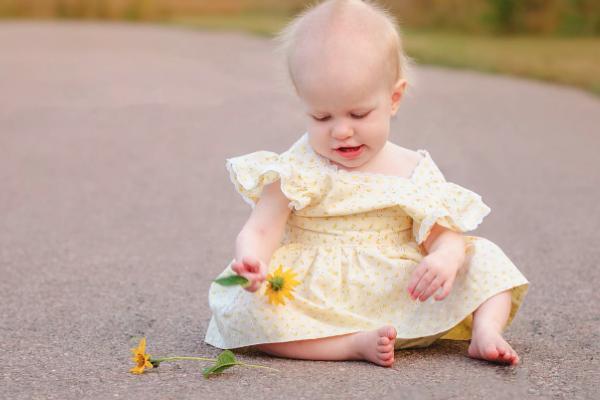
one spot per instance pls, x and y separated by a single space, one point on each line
371 230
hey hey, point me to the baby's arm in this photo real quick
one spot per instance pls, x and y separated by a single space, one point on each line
446 241
445 255
261 235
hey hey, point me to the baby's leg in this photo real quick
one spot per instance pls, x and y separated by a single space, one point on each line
376 346
488 321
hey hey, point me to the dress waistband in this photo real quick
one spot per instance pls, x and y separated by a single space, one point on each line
357 229
375 238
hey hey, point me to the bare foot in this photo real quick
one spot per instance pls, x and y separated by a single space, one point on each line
377 345
488 344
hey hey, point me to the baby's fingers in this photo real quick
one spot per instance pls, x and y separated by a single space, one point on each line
446 287
252 264
255 281
431 289
423 283
237 267
416 276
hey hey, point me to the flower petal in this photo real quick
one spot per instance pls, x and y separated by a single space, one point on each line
136 370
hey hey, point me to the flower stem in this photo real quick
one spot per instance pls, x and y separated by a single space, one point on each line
257 366
181 358
163 359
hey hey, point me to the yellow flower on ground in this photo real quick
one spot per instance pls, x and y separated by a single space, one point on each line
280 285
141 359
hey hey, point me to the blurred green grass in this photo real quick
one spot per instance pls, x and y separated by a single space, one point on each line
261 24
572 61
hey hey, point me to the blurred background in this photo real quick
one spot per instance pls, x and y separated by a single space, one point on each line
551 40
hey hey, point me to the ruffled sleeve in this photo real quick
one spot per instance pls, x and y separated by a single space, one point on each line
445 203
251 172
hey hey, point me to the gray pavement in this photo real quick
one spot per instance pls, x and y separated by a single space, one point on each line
116 212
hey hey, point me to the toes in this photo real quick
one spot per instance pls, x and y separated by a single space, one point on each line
491 353
384 340
498 351
514 359
386 358
387 331
385 349
392 333
387 363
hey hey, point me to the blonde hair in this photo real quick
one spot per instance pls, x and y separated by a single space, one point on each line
402 64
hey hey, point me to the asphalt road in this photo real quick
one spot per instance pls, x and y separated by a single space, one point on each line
116 212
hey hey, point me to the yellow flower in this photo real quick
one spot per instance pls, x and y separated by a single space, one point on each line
140 357
280 285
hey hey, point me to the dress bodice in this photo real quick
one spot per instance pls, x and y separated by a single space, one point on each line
388 226
318 190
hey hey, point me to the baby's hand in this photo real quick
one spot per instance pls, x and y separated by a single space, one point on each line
252 269
434 271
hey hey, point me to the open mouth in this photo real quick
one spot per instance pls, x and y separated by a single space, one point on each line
349 149
350 152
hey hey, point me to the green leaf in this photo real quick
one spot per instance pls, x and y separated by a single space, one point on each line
224 360
232 280
216 369
226 356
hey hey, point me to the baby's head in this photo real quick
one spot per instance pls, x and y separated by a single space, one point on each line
347 65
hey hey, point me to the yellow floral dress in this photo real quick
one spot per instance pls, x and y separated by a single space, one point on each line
353 240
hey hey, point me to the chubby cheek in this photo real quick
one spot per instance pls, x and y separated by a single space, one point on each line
376 130
318 139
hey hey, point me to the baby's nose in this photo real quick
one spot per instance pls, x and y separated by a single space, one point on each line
342 131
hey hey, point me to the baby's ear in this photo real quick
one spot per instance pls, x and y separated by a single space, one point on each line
397 93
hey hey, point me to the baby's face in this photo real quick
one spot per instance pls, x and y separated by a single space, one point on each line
348 106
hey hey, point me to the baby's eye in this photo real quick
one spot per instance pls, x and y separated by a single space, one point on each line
359 116
321 119
355 116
